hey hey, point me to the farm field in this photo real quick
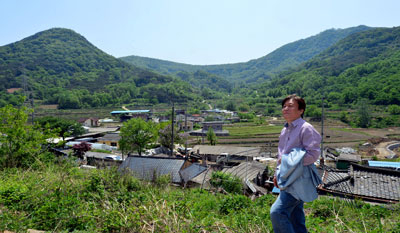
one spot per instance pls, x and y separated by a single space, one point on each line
336 135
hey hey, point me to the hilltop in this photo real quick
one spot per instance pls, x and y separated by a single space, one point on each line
283 58
62 67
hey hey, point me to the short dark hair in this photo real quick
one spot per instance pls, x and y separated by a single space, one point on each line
300 101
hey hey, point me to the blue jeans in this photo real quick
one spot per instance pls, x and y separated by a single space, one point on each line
287 214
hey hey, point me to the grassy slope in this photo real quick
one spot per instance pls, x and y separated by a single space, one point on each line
64 198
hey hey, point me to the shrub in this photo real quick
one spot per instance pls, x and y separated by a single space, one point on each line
232 203
229 183
11 194
394 109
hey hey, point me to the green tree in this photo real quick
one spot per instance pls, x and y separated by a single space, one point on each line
69 101
363 114
244 108
20 143
64 127
228 182
165 136
344 117
211 137
136 134
231 106
313 111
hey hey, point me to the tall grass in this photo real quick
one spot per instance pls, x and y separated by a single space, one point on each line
63 198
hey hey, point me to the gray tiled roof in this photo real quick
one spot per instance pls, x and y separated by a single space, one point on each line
148 167
363 181
110 137
376 183
247 170
204 178
232 150
192 171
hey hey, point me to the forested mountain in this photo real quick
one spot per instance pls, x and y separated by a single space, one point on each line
364 65
62 67
283 58
59 66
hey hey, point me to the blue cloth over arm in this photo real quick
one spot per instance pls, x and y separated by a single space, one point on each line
298 180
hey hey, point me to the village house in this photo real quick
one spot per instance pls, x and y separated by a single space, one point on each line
185 125
253 174
129 114
89 122
215 125
111 139
226 153
365 182
151 168
340 160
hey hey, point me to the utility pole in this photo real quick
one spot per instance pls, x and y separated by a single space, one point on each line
186 130
270 148
322 130
172 129
28 95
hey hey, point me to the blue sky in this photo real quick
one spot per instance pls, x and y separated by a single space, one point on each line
192 31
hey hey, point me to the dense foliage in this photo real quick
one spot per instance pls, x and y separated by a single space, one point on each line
59 66
364 65
230 184
63 198
361 67
63 127
136 133
21 144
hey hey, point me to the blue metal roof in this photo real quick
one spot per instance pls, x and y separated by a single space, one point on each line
384 164
130 111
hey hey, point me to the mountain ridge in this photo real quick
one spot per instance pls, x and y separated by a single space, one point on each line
283 58
362 66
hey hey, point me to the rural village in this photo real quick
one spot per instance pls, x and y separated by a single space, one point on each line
345 171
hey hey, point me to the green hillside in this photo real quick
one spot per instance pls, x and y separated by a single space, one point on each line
62 67
283 58
363 65
359 76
